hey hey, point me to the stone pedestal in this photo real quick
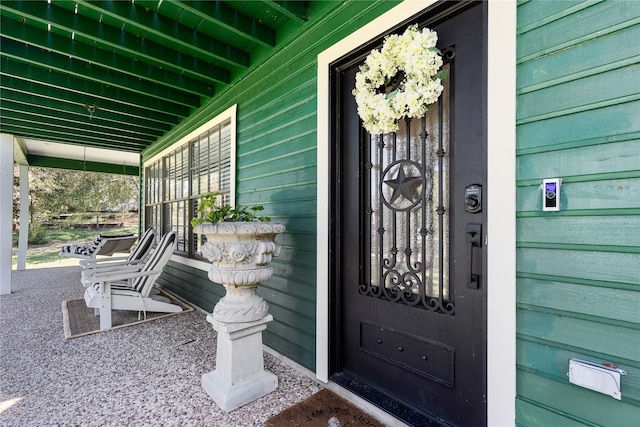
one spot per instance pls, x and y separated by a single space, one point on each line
239 377
240 255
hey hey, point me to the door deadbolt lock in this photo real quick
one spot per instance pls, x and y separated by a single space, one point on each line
473 198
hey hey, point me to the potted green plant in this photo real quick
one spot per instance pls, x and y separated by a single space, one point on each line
210 211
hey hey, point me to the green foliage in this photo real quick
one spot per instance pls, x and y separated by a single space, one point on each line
56 191
209 210
442 75
38 235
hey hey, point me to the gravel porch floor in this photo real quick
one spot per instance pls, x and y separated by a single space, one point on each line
142 375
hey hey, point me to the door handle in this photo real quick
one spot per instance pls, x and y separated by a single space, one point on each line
474 240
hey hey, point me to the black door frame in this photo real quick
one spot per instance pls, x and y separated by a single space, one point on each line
432 17
437 12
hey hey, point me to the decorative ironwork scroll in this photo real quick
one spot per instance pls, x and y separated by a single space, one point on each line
406 177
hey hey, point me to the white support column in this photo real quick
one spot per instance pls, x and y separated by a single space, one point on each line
6 210
23 240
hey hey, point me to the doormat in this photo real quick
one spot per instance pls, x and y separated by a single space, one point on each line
323 409
79 320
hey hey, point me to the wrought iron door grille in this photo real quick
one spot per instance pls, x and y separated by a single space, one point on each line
406 201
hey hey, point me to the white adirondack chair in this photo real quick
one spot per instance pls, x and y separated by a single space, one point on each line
131 290
133 262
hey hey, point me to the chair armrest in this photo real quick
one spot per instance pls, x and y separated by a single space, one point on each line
105 269
110 276
112 265
88 263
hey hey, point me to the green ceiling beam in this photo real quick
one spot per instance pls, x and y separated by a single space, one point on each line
57 99
19 151
81 165
72 133
166 98
24 92
94 93
230 19
109 60
36 105
74 121
160 29
114 39
19 129
296 10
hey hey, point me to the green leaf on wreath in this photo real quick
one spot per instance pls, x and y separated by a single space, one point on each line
442 75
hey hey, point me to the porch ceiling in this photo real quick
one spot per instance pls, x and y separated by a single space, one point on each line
121 74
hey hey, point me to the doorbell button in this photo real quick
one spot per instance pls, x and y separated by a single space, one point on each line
551 194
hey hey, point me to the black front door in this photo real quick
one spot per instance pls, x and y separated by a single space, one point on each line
408 250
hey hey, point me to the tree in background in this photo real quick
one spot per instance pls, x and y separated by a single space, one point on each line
48 193
113 193
53 192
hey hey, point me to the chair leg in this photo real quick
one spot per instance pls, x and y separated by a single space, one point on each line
105 306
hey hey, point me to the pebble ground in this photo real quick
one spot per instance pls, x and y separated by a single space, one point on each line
143 375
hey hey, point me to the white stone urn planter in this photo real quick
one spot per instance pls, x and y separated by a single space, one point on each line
240 254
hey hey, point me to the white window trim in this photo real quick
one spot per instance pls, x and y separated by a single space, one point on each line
190 262
501 208
229 114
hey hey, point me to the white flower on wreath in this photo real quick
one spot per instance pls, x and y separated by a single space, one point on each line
414 59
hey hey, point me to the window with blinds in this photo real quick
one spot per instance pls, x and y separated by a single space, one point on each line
175 181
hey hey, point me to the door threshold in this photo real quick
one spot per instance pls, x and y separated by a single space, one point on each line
390 412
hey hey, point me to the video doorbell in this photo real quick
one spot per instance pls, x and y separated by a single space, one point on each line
551 194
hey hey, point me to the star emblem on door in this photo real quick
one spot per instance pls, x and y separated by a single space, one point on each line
406 186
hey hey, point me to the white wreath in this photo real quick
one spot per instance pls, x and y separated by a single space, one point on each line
414 61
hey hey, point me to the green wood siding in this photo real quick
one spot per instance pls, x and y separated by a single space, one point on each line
578 287
276 167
